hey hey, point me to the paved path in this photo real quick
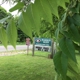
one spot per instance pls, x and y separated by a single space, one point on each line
18 47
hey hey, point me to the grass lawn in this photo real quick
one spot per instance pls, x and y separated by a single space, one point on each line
26 67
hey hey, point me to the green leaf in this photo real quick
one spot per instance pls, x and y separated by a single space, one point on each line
74 33
62 3
60 25
71 48
67 34
70 20
68 78
41 10
18 6
57 33
60 62
46 34
4 19
77 47
12 32
67 48
73 65
73 69
47 6
64 63
3 37
36 16
76 8
25 24
46 10
31 18
73 37
54 7
76 19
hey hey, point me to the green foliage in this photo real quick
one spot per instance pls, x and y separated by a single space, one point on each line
68 36
47 29
19 5
61 63
3 17
76 19
36 12
3 36
74 33
73 69
3 13
67 48
67 32
12 32
23 24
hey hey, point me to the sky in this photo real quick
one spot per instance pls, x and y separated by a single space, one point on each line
7 6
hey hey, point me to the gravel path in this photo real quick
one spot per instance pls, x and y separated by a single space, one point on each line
10 53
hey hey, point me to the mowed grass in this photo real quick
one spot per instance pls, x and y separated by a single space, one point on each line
26 67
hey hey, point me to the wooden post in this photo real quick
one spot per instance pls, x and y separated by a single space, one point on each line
51 52
33 47
27 49
27 44
52 49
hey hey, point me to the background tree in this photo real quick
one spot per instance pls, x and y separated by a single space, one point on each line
21 36
3 13
47 29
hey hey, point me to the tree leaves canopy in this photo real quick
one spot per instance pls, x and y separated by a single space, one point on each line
66 33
